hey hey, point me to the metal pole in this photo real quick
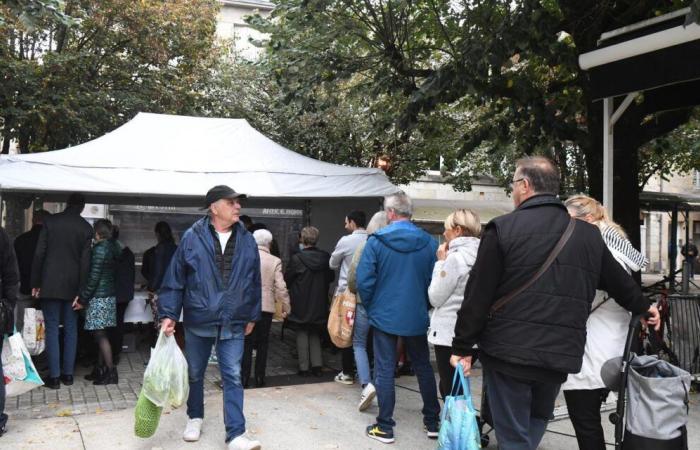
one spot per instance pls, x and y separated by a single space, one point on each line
608 143
673 250
686 262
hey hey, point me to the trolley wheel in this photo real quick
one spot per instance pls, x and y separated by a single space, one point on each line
485 439
614 418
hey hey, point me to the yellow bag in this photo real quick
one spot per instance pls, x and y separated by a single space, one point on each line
342 319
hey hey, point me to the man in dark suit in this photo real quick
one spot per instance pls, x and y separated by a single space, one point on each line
60 268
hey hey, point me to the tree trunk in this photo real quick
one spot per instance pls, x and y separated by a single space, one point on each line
593 149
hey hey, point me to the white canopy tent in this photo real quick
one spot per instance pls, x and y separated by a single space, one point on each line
157 158
167 160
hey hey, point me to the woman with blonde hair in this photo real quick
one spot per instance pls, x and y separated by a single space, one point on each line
456 257
606 329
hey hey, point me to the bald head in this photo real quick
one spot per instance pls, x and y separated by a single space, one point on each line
541 173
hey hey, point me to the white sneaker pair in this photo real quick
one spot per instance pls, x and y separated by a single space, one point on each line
368 394
193 431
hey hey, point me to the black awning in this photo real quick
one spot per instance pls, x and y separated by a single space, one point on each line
653 70
668 201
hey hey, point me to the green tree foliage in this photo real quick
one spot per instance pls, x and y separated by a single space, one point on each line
65 82
479 82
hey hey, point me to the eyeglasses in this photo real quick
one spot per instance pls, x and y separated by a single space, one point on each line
512 183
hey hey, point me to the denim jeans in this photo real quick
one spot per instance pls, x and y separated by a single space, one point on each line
520 409
229 352
359 344
57 311
3 416
384 363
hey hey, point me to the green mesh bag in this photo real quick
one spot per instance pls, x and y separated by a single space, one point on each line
147 416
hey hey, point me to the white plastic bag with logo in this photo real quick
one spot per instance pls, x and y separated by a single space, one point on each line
34 332
20 375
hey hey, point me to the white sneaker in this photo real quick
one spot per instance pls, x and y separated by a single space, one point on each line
368 394
193 430
344 379
243 442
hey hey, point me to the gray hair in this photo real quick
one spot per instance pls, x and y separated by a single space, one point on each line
400 203
263 238
377 222
309 236
541 172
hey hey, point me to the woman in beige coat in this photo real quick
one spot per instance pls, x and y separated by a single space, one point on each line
274 291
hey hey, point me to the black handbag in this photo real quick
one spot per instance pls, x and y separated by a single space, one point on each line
7 318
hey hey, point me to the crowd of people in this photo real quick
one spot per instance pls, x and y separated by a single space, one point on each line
541 296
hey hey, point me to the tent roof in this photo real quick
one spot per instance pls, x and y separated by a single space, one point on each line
656 54
157 156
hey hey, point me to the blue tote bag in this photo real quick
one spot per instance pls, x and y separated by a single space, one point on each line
459 429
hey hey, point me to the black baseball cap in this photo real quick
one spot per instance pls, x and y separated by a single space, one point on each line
221 192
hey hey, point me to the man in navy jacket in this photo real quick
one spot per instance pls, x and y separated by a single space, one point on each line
392 279
214 276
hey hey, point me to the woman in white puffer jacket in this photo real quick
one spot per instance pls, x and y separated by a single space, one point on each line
455 260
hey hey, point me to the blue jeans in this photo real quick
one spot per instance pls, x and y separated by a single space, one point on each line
229 352
359 344
3 416
57 311
384 364
520 409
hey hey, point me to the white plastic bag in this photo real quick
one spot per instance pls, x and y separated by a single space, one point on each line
20 374
165 380
33 332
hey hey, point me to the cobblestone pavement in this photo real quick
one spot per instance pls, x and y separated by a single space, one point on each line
85 398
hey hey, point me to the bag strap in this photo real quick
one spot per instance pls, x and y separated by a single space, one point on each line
500 303
599 305
464 383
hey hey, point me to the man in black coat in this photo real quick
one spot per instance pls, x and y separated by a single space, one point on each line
9 281
59 270
124 278
529 344
25 246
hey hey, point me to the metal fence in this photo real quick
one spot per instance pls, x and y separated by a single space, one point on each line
684 331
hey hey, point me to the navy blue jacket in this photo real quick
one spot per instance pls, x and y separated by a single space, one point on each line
194 283
393 278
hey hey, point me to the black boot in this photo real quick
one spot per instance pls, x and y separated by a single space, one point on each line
94 375
259 380
109 376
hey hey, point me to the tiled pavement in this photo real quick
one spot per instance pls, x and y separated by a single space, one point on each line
85 398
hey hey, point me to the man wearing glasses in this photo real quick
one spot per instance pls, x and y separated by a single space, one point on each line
531 330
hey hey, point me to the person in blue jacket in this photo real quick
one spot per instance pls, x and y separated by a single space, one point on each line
392 279
214 276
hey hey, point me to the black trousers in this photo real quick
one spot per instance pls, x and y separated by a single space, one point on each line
258 339
446 371
348 360
584 412
116 334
